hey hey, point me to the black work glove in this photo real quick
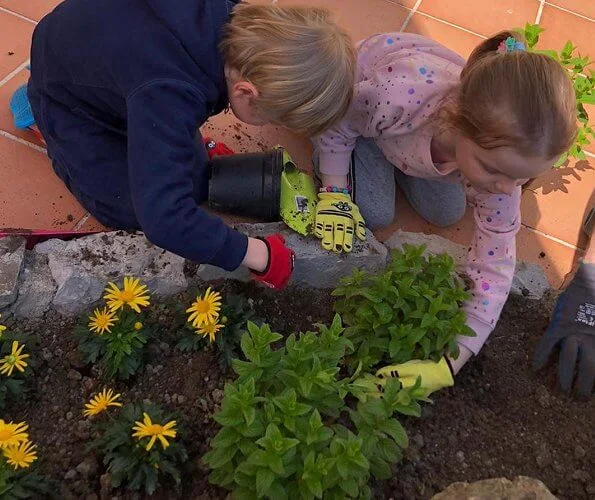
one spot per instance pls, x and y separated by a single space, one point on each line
573 330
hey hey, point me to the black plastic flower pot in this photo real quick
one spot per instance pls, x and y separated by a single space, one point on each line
247 184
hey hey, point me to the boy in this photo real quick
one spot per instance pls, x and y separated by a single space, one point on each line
118 89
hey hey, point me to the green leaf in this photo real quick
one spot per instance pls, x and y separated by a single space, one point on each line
264 480
395 430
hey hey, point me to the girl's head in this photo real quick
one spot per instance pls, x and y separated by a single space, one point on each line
292 66
515 112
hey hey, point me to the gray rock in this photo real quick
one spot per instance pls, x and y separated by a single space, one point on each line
313 266
434 245
74 375
497 489
70 475
529 279
36 288
53 245
87 468
12 258
81 268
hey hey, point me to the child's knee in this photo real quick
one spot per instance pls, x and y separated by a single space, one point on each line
446 216
378 219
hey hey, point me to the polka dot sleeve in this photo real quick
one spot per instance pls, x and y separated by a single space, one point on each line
400 80
491 261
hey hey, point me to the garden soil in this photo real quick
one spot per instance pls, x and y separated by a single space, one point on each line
500 420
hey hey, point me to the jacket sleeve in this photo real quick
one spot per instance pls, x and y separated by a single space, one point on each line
491 260
163 117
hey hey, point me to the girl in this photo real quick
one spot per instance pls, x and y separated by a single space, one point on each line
449 133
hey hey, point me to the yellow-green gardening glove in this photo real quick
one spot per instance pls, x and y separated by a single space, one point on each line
434 376
337 219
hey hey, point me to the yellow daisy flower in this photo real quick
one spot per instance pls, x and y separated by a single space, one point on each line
21 455
102 320
138 325
100 402
14 360
12 434
205 309
210 330
147 428
132 294
2 327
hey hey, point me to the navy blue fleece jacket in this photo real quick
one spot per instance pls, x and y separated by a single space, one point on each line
132 80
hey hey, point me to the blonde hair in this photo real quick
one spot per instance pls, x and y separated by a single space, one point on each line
519 99
299 60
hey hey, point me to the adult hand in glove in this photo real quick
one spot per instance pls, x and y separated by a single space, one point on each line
337 219
573 330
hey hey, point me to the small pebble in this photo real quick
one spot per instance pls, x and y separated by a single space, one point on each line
579 452
69 415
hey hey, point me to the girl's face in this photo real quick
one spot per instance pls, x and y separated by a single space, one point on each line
499 170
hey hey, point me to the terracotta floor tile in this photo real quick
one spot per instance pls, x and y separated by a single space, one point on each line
556 259
33 9
15 40
6 121
31 195
405 3
561 26
406 219
584 7
361 19
485 17
458 40
557 203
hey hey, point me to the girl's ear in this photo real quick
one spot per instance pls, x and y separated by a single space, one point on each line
244 90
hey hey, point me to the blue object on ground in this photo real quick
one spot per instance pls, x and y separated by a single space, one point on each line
21 109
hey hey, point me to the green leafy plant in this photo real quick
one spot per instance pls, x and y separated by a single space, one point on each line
18 478
23 484
13 359
412 310
288 430
235 313
583 79
139 462
121 350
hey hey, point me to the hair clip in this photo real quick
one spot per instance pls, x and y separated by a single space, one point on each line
510 45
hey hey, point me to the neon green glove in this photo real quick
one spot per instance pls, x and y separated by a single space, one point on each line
434 376
337 218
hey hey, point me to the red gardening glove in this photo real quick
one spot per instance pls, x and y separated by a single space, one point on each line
216 148
280 266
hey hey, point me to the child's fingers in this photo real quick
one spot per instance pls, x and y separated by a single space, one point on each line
338 236
360 229
348 239
318 227
327 234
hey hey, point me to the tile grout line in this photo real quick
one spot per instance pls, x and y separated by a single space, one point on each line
8 135
452 25
82 221
569 11
14 73
539 11
553 238
20 16
410 15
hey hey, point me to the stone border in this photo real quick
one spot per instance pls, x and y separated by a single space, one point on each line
69 276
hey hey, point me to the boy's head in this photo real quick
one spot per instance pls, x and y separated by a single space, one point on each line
291 66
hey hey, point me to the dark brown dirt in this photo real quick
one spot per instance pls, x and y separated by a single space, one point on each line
501 419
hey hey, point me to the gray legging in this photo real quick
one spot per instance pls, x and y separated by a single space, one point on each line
440 203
